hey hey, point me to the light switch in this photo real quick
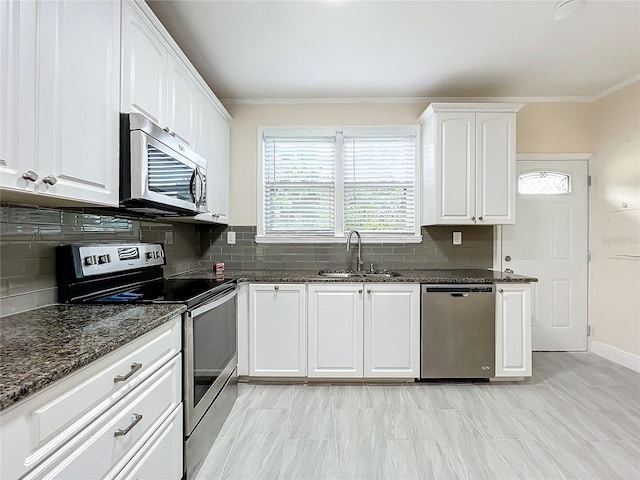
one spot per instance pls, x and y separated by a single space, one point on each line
231 238
457 238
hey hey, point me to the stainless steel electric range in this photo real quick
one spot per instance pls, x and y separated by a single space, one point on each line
132 273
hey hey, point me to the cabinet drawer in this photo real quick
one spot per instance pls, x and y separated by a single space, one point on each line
110 442
161 457
33 429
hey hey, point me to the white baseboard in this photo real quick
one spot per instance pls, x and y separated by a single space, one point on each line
616 355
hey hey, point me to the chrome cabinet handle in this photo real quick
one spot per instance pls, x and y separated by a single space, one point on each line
50 180
507 258
166 129
173 134
501 290
473 218
121 432
276 287
134 368
30 175
179 146
359 290
368 290
480 218
508 270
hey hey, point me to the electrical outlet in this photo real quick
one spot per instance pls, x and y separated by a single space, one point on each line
168 238
457 238
231 238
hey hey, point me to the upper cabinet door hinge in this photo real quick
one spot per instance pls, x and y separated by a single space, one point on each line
589 256
588 180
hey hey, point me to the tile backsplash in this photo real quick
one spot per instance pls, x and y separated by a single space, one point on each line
29 235
435 251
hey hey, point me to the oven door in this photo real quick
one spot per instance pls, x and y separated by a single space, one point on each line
210 339
163 176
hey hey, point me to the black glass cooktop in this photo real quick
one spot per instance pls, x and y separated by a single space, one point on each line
172 290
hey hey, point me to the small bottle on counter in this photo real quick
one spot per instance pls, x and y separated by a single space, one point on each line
218 268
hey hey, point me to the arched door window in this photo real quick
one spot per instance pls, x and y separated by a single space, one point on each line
544 183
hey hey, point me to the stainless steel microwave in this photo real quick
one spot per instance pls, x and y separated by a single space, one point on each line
159 175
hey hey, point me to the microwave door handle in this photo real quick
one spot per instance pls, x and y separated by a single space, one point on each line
192 185
203 186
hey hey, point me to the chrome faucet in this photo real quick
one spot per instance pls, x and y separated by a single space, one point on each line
359 261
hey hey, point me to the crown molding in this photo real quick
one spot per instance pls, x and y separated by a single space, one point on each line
616 87
427 100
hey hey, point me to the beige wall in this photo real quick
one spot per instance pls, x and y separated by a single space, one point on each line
542 128
615 167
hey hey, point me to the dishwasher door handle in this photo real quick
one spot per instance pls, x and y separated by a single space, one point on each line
459 294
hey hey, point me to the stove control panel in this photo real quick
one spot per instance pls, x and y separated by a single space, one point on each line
107 258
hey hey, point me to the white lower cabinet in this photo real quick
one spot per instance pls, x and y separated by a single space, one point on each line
92 423
392 330
513 330
335 330
157 460
364 330
277 330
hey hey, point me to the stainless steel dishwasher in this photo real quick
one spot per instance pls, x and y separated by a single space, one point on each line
458 331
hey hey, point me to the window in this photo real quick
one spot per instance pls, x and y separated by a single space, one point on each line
544 183
315 185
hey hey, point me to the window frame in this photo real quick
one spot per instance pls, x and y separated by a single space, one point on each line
340 236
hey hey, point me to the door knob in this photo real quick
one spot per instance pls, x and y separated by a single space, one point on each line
50 180
276 287
507 258
30 175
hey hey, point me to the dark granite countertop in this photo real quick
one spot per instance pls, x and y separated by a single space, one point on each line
410 276
41 346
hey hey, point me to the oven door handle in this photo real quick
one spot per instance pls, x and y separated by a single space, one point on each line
210 305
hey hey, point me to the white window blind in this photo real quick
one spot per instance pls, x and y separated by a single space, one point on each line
299 185
316 184
379 183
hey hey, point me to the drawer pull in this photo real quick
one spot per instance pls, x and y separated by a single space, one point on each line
134 368
121 432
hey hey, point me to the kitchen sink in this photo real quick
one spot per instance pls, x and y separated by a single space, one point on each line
382 274
339 273
351 273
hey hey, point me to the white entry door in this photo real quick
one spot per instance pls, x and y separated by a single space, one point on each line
549 241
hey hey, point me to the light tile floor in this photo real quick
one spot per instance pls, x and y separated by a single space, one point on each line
577 417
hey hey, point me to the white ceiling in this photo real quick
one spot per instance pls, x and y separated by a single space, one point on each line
393 48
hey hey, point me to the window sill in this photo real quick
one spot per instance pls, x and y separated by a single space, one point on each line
366 239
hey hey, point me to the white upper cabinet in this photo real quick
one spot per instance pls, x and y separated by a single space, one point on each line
144 67
213 143
17 94
468 163
154 81
182 91
61 69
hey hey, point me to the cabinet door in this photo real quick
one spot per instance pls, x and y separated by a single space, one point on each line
144 67
456 168
17 93
212 143
513 330
335 330
79 95
221 170
495 164
277 333
182 93
392 331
